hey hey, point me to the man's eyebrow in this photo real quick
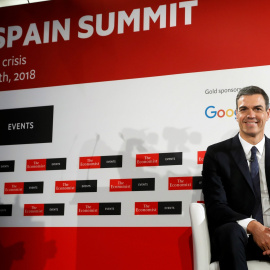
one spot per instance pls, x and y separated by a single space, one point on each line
256 106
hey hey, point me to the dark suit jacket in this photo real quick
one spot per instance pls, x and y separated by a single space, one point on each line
227 186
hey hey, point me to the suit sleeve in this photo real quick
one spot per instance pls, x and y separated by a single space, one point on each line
218 209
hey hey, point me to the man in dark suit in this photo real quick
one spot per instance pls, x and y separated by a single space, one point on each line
236 185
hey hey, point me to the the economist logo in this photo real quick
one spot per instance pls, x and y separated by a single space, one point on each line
158 208
200 157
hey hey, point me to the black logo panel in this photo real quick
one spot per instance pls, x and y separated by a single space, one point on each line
26 125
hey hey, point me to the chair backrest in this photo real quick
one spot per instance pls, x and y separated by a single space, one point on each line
200 234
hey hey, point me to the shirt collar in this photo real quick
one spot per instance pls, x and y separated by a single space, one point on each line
247 146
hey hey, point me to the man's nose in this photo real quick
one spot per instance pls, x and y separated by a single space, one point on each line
251 114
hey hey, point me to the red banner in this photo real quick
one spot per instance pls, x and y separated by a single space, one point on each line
91 41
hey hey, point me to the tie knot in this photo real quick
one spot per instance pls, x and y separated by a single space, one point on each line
254 150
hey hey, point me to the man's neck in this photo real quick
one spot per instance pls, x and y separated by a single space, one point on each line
252 140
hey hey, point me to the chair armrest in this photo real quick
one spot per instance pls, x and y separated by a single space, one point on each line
200 235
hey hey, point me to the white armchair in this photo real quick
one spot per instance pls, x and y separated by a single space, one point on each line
201 242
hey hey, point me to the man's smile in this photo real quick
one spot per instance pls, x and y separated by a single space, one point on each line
251 122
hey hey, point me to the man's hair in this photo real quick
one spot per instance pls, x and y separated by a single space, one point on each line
253 90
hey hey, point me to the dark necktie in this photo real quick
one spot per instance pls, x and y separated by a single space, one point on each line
254 172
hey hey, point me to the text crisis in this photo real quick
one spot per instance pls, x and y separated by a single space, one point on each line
89 25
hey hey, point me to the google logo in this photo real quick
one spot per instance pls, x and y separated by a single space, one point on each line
210 112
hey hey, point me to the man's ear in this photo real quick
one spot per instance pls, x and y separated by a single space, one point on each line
268 114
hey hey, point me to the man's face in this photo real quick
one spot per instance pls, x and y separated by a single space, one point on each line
252 116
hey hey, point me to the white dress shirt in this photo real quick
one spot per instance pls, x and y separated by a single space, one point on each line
264 190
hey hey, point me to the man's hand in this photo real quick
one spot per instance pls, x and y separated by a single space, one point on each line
261 235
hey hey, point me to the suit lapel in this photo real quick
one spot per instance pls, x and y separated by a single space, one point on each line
241 161
267 163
